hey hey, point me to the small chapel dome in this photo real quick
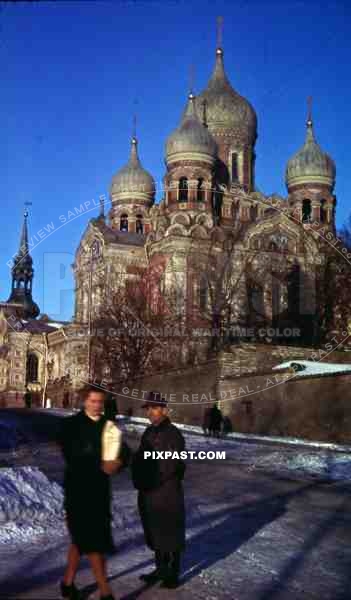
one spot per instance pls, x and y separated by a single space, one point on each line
310 164
133 179
191 139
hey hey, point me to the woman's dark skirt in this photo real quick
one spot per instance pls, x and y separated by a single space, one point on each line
88 514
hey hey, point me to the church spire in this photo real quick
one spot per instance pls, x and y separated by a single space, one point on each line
134 160
22 276
309 123
23 247
219 77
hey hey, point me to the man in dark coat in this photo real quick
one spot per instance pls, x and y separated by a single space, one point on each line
227 426
161 497
87 491
215 420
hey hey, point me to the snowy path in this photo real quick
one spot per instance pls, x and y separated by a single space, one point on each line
259 528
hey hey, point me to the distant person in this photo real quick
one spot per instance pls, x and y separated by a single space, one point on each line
110 407
91 446
227 426
206 424
216 419
28 399
130 412
161 497
65 402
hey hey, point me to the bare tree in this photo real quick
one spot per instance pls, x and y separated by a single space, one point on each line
127 336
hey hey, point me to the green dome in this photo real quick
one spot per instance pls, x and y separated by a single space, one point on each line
310 164
190 138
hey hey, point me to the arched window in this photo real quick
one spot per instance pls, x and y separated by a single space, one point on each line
255 301
276 297
294 281
183 189
235 170
217 197
32 368
123 223
95 249
272 245
253 212
203 293
278 243
139 225
306 211
200 196
323 213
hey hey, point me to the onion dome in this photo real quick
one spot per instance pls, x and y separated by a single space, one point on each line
310 164
225 108
133 180
191 140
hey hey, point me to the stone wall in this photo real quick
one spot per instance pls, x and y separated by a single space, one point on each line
247 358
189 391
257 399
316 408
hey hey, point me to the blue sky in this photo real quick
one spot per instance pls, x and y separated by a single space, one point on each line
73 73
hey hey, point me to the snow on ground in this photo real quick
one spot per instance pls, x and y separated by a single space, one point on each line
325 461
258 528
29 505
304 368
250 437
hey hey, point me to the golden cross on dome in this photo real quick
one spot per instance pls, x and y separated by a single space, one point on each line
219 32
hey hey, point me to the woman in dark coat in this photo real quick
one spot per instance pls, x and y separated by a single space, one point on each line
87 491
161 497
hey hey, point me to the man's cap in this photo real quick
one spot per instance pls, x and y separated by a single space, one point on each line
154 399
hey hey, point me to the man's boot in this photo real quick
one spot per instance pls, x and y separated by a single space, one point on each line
161 561
171 579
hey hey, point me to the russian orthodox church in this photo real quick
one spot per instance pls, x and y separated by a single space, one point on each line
211 224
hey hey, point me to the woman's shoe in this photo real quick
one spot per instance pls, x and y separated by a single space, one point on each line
152 577
69 592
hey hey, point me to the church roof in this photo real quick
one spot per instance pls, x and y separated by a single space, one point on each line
133 178
310 164
225 107
38 326
20 325
22 276
191 137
